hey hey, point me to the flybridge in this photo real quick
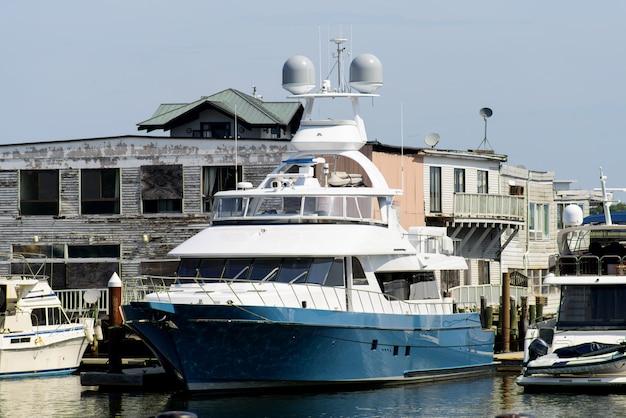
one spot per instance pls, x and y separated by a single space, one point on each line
366 76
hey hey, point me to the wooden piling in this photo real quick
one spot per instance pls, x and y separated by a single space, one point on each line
505 314
483 311
524 318
514 326
115 324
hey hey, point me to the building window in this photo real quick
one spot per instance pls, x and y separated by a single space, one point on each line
435 189
459 180
162 188
216 179
93 251
539 220
39 192
516 190
100 191
37 250
213 130
482 181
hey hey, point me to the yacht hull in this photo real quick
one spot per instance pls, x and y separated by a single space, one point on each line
233 348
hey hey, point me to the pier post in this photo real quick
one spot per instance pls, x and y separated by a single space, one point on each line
524 319
532 314
115 324
514 326
505 315
539 311
483 311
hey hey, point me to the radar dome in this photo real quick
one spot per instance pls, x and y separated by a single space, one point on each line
366 73
572 215
298 75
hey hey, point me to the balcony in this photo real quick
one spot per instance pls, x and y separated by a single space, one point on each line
489 206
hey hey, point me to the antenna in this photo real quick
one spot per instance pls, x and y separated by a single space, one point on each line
431 139
485 113
340 49
402 143
606 203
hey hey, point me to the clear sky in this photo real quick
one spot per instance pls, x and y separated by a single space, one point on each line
551 71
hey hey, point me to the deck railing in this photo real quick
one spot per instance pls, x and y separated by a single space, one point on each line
489 206
469 297
73 301
243 292
588 264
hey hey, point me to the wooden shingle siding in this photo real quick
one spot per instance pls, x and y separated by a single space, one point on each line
9 193
69 202
131 191
192 197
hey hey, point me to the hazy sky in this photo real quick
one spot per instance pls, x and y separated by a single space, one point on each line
551 71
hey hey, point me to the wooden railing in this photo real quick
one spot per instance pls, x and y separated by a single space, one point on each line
73 301
489 206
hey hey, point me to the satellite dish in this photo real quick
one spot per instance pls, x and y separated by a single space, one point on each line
91 295
431 139
485 112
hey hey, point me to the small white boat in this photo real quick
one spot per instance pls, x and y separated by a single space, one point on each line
581 359
583 347
36 335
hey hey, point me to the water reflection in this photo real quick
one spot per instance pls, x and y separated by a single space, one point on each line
482 397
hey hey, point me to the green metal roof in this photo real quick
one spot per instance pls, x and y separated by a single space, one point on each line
249 110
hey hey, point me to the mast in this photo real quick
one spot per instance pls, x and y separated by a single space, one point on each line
606 204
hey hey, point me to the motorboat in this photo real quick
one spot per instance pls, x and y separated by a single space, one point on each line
583 347
586 358
309 280
37 336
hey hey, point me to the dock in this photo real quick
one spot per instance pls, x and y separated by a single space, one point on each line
136 373
509 361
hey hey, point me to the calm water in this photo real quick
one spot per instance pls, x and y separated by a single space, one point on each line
484 397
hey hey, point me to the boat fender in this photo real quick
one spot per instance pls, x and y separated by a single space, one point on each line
98 332
537 348
89 332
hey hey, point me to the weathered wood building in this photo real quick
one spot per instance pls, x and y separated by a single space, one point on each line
97 206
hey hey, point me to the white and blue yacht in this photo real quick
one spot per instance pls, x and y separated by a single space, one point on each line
309 278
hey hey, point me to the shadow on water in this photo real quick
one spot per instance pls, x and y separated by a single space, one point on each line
467 397
478 397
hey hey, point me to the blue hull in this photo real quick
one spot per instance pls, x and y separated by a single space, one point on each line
213 347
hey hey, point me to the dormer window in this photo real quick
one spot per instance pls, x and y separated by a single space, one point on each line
213 130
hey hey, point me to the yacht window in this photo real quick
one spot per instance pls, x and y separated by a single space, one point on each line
592 307
38 316
320 269
409 284
188 267
265 206
56 316
228 207
237 268
265 269
211 268
335 275
358 274
294 270
291 205
324 271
